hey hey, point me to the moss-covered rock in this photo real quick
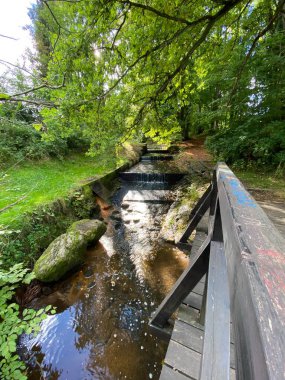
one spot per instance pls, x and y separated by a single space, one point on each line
63 254
67 251
91 230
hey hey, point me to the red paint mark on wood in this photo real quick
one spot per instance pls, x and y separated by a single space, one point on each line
275 255
271 265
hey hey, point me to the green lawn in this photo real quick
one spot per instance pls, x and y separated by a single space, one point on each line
41 182
262 180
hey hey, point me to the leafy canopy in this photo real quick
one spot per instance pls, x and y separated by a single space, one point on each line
124 69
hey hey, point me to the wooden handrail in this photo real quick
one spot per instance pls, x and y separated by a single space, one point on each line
255 262
255 254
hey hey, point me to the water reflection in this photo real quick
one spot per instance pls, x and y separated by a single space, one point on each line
101 328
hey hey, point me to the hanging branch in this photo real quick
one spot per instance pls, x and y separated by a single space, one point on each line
44 85
252 47
10 38
184 61
37 102
15 97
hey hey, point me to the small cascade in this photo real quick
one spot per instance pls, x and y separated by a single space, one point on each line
161 151
148 158
151 173
168 178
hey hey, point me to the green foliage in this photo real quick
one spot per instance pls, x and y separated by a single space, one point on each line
21 141
263 144
125 70
124 73
14 322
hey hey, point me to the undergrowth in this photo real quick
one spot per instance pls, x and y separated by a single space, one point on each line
14 322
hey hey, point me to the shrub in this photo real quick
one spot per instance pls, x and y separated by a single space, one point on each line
252 142
14 322
19 141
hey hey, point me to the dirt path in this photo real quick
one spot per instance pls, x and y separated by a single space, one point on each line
195 150
274 206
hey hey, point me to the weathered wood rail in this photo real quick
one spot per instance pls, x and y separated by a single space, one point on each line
243 259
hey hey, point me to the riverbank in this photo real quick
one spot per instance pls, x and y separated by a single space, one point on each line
40 200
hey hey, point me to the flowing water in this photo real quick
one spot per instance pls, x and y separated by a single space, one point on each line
101 328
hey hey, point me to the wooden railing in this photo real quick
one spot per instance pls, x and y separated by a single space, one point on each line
244 259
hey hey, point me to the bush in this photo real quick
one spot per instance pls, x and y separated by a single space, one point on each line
14 322
251 143
19 141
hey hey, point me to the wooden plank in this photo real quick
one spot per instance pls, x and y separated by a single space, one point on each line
197 244
197 213
255 253
182 358
186 361
203 279
199 288
181 336
216 349
203 224
188 336
193 300
189 315
198 241
168 373
186 282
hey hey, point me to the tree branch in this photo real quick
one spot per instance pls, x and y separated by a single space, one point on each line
30 101
156 11
44 85
252 47
129 68
185 59
207 17
10 38
2 62
118 30
54 17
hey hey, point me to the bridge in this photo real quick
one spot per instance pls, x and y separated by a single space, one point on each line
225 316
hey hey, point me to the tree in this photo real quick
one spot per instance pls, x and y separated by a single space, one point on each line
121 69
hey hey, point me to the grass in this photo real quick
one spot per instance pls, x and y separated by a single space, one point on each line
43 182
259 179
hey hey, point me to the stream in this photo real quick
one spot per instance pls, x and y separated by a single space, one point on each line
100 330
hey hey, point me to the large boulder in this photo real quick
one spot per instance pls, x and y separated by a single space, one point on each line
67 251
91 229
64 253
